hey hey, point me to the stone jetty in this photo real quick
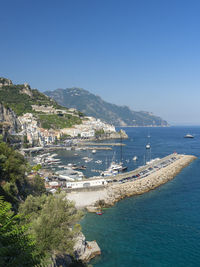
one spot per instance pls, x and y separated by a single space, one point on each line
154 179
131 183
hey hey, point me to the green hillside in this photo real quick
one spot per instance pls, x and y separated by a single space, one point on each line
93 105
21 98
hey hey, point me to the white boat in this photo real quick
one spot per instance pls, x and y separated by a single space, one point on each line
188 136
152 161
94 151
114 169
148 146
54 155
98 161
135 158
65 177
109 173
88 160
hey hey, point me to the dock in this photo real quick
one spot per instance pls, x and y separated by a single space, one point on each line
100 144
138 181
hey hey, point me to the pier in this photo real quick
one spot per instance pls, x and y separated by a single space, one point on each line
138 181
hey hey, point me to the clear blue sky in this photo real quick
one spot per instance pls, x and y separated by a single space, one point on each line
140 53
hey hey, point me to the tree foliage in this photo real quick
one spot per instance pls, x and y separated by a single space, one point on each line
17 247
54 222
13 168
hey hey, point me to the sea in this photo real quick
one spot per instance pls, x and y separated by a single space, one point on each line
158 228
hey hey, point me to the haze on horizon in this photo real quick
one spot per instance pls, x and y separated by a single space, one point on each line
143 54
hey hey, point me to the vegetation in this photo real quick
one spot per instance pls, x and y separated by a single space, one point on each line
13 181
53 223
13 96
17 246
45 226
21 98
53 121
99 133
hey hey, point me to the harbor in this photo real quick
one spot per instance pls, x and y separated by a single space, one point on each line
131 183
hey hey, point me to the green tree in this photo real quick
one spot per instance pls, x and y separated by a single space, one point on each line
37 167
54 223
13 166
17 247
38 186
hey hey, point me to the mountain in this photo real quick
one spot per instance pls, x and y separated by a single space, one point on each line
20 99
95 106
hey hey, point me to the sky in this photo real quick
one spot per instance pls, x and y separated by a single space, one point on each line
141 53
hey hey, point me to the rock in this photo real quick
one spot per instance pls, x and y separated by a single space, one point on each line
91 251
85 250
9 119
80 246
60 261
92 209
5 82
27 90
121 134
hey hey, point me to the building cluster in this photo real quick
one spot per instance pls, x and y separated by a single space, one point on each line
88 128
52 110
34 133
37 135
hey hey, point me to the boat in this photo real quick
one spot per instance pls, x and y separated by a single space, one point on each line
79 167
152 161
98 161
114 169
99 212
135 158
188 136
148 146
94 151
66 178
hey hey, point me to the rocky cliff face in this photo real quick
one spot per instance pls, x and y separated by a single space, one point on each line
86 250
8 119
5 82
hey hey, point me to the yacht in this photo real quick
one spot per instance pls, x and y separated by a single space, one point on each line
114 169
188 136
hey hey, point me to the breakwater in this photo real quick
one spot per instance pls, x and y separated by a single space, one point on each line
173 164
135 182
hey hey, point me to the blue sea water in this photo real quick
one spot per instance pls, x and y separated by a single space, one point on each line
158 228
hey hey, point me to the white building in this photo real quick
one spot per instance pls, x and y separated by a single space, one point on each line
86 184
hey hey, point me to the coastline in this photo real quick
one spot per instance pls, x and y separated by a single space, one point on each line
110 194
154 180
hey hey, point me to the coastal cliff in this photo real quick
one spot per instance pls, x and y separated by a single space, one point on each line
86 250
8 119
113 135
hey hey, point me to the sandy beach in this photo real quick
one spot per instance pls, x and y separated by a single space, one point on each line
84 199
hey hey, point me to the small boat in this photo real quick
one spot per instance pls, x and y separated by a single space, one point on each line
98 161
79 167
99 212
135 158
188 136
148 146
94 151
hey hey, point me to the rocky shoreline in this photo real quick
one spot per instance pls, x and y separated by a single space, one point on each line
119 191
112 193
115 192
